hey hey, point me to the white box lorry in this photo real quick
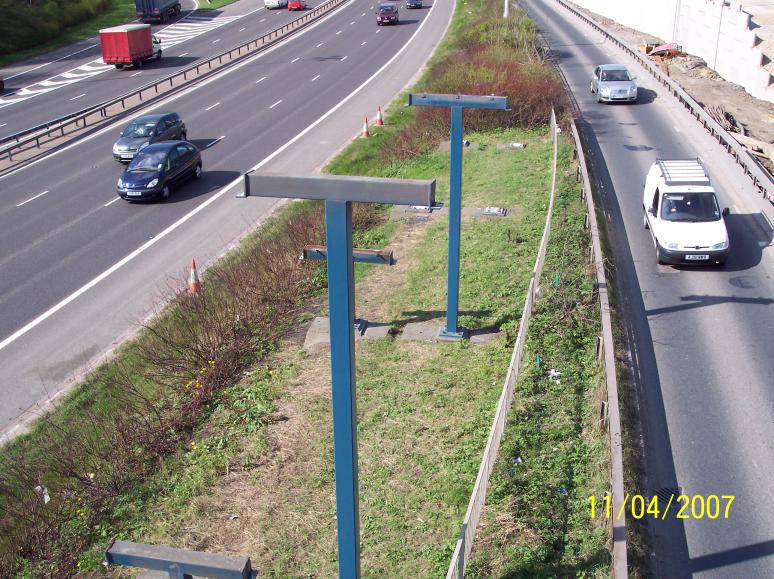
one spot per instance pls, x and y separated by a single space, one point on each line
682 212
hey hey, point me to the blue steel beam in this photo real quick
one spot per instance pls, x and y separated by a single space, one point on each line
452 331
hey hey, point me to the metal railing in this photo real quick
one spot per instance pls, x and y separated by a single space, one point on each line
478 497
761 178
610 411
35 137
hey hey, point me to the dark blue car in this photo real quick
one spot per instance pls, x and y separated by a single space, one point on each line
158 168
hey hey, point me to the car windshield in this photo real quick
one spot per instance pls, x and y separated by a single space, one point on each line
387 9
689 207
613 75
148 161
139 130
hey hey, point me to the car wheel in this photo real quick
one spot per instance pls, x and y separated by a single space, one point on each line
158 55
165 192
119 66
138 63
198 172
645 220
659 257
591 87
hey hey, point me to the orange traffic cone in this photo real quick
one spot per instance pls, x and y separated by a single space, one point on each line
194 286
379 120
364 133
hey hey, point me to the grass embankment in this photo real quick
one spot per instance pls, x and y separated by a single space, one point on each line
554 454
212 429
31 29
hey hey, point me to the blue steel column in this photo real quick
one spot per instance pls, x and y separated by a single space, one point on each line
451 331
341 303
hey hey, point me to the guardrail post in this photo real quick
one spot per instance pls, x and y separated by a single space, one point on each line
461 560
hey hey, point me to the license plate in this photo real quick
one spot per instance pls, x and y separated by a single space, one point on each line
134 193
697 257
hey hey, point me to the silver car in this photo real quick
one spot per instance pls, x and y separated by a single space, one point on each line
613 83
146 130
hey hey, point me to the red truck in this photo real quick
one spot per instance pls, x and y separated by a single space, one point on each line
129 44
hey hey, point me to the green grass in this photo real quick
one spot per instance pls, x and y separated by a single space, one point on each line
553 455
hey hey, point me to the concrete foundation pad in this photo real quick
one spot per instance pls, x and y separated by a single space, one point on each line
376 331
317 338
421 332
483 336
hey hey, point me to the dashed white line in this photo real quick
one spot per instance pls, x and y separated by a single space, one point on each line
363 43
212 106
79 96
184 54
339 32
136 73
241 30
315 78
216 40
3 124
343 58
111 202
378 30
295 59
676 129
275 104
263 19
260 79
215 141
319 45
31 199
351 23
363 14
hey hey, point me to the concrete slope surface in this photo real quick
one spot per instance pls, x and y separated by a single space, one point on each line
701 339
81 268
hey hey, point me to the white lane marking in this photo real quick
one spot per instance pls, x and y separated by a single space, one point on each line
275 104
3 124
262 20
319 45
343 58
363 14
136 73
77 97
363 43
51 62
184 54
676 129
212 106
241 30
351 23
196 210
295 59
111 202
378 30
315 78
339 32
220 138
31 199
260 79
216 41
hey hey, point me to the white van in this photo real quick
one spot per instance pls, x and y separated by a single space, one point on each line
269 4
682 212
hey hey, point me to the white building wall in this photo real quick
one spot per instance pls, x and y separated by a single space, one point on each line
718 31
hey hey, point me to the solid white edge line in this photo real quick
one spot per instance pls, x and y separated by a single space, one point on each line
195 211
32 198
212 106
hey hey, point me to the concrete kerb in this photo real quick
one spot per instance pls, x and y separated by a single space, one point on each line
620 564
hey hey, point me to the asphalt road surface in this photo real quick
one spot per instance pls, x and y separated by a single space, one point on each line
80 268
75 78
702 339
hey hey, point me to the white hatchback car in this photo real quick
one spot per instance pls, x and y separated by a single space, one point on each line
269 4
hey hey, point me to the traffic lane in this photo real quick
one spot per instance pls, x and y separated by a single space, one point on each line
34 241
80 334
681 360
89 82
